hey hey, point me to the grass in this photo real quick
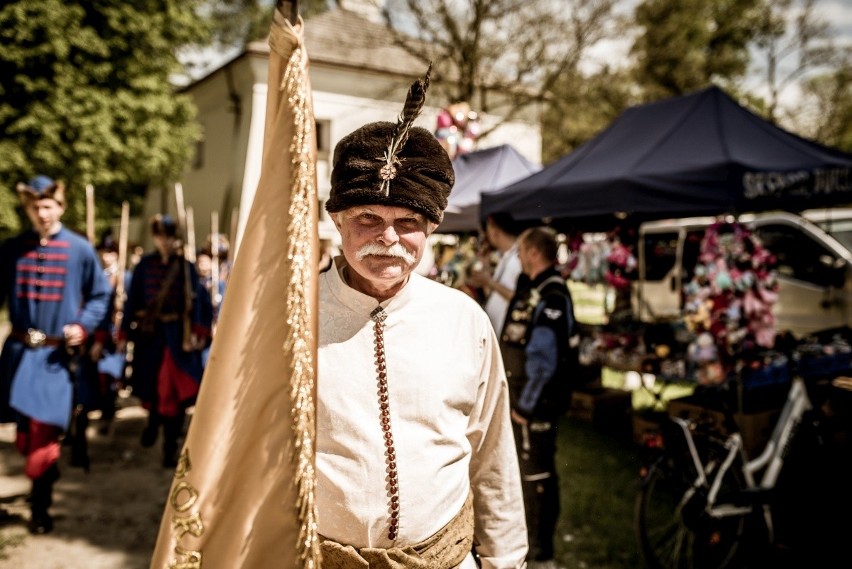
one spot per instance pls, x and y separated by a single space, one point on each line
599 474
599 465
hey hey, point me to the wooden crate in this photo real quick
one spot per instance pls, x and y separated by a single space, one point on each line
604 407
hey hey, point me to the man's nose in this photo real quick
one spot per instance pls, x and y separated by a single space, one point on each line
389 235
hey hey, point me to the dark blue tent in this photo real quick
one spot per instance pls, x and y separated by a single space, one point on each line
700 154
477 172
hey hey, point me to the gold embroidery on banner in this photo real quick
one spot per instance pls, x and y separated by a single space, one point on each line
186 559
299 340
182 497
190 524
184 465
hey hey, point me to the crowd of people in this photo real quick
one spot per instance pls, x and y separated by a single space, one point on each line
437 411
156 338
80 334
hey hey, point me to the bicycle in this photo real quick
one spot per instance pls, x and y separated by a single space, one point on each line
705 504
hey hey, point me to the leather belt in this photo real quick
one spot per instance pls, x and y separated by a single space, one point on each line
167 317
34 338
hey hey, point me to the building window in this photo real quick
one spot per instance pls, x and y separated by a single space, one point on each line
323 139
198 159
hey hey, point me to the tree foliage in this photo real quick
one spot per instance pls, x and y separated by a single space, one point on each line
684 45
500 56
585 105
85 96
238 22
829 98
792 42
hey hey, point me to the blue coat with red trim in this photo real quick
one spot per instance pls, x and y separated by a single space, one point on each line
46 285
149 349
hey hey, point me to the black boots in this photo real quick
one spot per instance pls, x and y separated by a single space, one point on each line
41 522
149 435
172 430
79 442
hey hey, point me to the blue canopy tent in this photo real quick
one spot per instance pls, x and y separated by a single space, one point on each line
477 172
700 154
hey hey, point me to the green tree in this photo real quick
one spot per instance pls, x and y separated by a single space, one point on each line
585 106
793 42
684 45
85 96
503 57
238 22
827 99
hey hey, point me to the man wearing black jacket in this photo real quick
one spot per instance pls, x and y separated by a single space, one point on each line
539 352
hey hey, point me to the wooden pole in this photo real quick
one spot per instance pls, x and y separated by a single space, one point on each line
187 290
232 249
90 213
289 9
123 233
190 234
215 297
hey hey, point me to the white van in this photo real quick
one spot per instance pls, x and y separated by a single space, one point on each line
814 253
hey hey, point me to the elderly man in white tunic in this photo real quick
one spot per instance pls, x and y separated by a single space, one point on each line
416 465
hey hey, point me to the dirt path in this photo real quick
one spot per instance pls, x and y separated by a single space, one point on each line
107 518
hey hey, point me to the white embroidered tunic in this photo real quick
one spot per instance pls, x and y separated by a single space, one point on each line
449 416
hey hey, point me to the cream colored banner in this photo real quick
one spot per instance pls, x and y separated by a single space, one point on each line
243 492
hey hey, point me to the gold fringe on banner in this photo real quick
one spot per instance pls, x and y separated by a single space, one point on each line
301 342
243 494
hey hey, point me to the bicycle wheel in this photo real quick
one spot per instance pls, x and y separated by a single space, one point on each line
673 529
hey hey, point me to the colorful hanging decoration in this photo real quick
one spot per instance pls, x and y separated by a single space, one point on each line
458 127
728 302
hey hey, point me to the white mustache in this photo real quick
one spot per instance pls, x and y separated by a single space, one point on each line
395 250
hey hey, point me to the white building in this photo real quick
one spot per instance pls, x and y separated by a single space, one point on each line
357 76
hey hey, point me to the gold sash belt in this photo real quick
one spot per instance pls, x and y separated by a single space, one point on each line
446 549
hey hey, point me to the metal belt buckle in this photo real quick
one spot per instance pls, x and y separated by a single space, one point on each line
35 338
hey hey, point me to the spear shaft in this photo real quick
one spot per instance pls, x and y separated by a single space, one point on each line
123 231
187 288
90 213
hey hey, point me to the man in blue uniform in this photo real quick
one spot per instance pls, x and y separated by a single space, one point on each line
102 366
110 363
538 344
168 317
56 294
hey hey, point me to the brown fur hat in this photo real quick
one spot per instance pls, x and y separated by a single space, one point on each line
423 180
42 187
393 164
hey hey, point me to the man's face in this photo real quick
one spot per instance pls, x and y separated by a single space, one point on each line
382 244
44 214
164 244
204 265
108 258
491 233
526 255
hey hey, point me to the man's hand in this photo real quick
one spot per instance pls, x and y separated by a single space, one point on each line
480 279
74 334
193 343
289 9
518 418
96 352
